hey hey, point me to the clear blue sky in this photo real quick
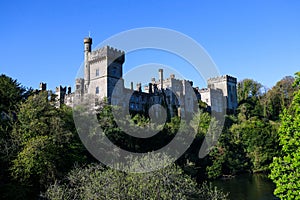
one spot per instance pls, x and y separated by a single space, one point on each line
43 40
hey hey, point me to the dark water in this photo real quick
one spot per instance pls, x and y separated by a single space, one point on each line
247 187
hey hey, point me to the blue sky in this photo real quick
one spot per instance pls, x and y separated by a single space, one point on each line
43 40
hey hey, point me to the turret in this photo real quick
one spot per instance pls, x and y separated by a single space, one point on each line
161 78
43 86
79 88
87 49
87 44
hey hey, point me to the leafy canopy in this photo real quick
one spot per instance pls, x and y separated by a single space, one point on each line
285 169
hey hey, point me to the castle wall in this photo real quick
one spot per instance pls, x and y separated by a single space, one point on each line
228 86
205 96
105 71
214 98
104 68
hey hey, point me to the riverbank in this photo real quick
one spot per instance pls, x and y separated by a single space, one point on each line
247 187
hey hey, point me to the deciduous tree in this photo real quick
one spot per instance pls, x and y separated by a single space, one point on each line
285 169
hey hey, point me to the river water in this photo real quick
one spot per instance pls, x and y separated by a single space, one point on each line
247 187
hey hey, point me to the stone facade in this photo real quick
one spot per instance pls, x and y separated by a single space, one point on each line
213 98
227 84
103 71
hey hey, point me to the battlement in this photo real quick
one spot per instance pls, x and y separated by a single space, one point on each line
61 89
114 51
79 80
43 86
103 68
202 90
107 52
222 78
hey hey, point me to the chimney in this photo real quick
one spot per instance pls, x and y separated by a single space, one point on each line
161 78
131 85
150 88
139 87
153 80
69 90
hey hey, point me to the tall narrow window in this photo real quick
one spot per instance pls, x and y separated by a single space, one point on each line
114 71
97 90
97 72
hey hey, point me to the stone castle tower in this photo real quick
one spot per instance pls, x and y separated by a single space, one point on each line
227 84
102 69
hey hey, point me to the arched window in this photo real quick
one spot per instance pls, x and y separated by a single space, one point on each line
97 90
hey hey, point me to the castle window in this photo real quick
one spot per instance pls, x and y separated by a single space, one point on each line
97 90
114 71
97 72
132 105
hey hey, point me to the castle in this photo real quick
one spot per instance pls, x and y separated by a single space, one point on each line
103 71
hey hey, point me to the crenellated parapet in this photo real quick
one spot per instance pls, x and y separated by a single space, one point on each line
103 71
109 53
222 78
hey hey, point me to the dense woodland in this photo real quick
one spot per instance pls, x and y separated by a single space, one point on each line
42 156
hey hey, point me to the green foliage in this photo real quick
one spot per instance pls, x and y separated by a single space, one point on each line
248 88
39 145
228 156
259 140
285 169
46 143
250 141
278 98
245 145
190 161
201 123
11 93
96 182
215 170
250 99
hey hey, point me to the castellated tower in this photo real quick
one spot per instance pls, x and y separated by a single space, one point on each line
87 51
228 86
103 69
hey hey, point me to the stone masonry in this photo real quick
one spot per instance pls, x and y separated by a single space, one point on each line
103 71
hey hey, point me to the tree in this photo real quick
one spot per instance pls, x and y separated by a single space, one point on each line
248 88
249 98
11 95
96 182
259 140
246 145
47 143
285 169
228 157
278 98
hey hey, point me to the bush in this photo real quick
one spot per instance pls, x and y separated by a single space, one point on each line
96 182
